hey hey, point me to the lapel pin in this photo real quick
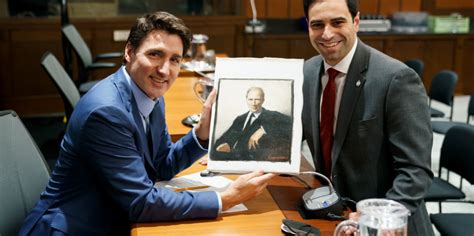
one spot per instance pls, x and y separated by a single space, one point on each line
358 83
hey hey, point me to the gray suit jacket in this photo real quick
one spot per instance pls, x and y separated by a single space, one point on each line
383 138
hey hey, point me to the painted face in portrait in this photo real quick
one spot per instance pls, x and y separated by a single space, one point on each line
255 99
155 64
332 31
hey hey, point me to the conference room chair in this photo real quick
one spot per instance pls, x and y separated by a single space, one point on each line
442 90
442 127
454 224
86 63
457 155
66 87
417 65
23 173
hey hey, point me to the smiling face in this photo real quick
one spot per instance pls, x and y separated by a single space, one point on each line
155 64
332 31
255 99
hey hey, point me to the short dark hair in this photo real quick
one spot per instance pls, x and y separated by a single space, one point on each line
163 21
353 6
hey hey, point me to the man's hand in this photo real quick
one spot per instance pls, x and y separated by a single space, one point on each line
245 188
349 230
203 161
256 136
225 147
203 127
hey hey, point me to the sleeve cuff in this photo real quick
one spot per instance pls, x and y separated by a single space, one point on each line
202 144
220 203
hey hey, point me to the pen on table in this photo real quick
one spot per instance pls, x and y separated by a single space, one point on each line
190 188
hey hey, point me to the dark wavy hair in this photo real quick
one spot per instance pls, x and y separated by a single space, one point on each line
353 6
159 21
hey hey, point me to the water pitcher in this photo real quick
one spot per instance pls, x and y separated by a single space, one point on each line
377 217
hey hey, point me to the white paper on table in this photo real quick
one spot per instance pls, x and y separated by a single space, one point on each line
215 183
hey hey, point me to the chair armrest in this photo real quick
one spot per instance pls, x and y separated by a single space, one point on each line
108 55
100 65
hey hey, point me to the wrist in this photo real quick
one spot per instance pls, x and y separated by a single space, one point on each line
227 201
202 142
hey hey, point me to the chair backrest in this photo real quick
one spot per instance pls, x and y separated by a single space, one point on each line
457 151
62 81
443 86
78 44
417 65
23 173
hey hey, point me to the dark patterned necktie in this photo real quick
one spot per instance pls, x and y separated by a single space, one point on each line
148 134
327 120
249 122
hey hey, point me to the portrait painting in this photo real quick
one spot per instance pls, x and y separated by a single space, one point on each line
255 123
253 120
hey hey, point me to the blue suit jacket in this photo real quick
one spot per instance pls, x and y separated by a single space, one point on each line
105 174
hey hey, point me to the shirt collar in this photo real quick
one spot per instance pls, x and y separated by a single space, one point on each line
144 103
343 65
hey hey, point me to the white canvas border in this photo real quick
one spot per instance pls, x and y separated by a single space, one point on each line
263 68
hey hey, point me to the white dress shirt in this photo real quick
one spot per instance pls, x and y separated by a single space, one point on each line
342 67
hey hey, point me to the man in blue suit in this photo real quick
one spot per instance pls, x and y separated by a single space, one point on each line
117 145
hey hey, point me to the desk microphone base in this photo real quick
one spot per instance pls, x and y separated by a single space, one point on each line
191 120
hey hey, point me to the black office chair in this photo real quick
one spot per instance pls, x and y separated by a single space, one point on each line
23 173
66 87
443 126
454 224
417 65
442 90
457 155
84 58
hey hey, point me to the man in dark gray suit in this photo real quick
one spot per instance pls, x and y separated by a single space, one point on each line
379 142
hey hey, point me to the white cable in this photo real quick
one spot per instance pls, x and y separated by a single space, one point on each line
331 188
254 10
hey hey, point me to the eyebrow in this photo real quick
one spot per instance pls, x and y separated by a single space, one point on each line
332 20
178 56
339 18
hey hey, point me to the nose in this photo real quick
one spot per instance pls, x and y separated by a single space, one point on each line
328 32
164 68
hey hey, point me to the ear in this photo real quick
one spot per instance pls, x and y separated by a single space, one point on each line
128 52
357 22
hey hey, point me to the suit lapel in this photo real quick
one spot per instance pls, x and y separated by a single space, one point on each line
316 97
131 105
354 84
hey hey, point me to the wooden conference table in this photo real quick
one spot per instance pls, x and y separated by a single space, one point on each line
265 212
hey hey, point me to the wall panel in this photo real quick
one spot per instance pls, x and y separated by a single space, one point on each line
296 9
410 5
278 8
369 7
388 7
467 66
449 4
